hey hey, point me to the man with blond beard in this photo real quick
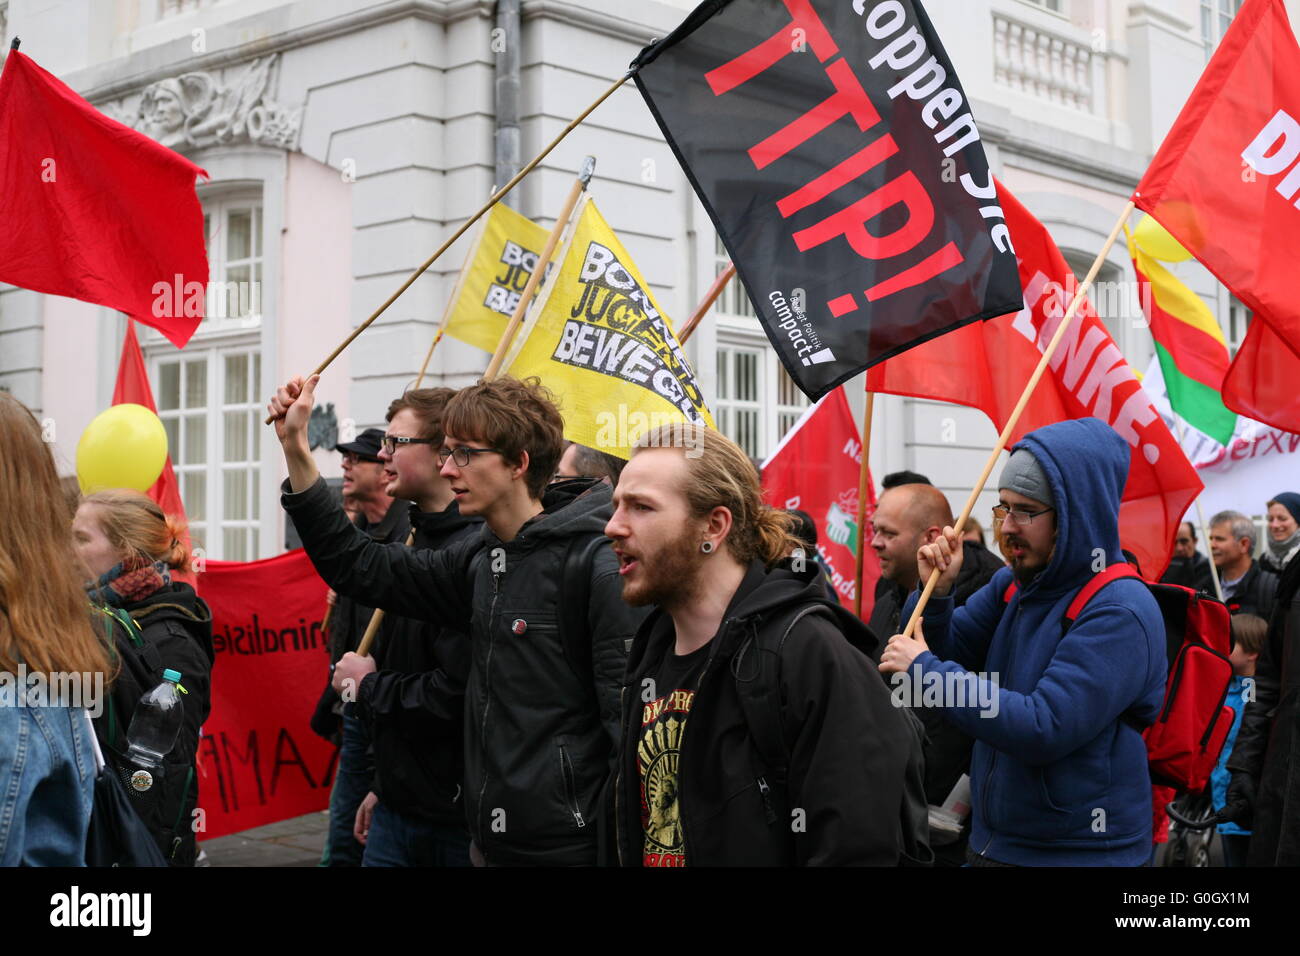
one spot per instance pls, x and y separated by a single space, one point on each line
795 755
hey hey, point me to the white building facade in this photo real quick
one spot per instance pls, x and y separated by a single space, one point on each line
346 139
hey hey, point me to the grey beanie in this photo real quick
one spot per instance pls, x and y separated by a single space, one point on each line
1025 476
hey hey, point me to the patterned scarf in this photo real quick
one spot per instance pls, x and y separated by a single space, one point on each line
128 582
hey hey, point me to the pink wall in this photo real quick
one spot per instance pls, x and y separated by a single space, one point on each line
315 284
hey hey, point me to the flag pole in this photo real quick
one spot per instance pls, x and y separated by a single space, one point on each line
492 201
534 279
706 303
1200 515
1020 405
863 471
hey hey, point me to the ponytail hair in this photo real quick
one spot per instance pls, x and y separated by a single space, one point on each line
138 528
720 474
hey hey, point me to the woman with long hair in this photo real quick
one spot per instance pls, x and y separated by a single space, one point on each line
47 765
129 549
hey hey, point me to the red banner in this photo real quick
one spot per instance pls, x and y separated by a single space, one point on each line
259 761
988 365
1226 181
815 469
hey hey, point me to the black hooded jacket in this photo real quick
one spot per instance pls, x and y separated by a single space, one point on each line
175 632
947 749
541 716
413 705
849 747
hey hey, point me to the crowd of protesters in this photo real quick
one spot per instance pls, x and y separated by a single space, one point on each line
555 617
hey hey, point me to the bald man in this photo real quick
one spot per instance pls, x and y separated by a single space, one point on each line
908 517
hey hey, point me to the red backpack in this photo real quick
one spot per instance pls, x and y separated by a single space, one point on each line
1183 744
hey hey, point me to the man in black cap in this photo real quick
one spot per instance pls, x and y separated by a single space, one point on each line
384 519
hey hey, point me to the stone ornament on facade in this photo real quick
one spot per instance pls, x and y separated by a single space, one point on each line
194 110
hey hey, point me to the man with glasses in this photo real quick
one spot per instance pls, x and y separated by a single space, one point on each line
538 591
579 461
410 691
1059 769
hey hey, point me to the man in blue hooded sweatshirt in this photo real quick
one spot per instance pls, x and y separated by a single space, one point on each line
1059 769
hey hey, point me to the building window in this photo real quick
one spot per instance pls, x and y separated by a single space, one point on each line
172 8
233 227
1056 6
737 411
209 403
1216 17
733 300
1238 322
209 395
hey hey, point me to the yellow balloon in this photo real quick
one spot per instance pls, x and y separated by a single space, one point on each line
1156 241
123 447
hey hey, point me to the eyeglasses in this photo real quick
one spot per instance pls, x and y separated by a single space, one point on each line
1022 516
391 443
352 458
462 454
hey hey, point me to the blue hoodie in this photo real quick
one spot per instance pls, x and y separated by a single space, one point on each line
1057 778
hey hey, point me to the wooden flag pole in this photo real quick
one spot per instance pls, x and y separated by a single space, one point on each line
1020 406
706 303
863 473
535 278
492 201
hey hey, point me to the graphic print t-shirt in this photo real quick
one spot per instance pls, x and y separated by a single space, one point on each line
662 721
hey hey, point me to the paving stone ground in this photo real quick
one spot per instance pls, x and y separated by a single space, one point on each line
294 842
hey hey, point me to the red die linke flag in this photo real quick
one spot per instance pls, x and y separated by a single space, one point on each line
1261 382
259 761
838 157
816 469
1226 184
133 387
987 365
94 210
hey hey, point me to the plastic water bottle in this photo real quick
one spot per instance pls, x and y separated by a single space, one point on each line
155 726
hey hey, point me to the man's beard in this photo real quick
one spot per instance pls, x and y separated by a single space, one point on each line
669 578
1025 574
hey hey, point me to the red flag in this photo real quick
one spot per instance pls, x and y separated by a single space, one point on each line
987 366
1226 180
816 469
133 386
259 761
94 210
1261 382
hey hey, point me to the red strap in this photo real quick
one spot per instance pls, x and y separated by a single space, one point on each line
1103 578
1099 581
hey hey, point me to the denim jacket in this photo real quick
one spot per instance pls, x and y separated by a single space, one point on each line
45 748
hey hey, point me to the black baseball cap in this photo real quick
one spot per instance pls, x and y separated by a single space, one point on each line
365 446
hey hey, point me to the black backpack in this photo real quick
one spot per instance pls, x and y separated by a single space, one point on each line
760 697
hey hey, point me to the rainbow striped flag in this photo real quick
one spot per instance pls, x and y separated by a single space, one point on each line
1190 345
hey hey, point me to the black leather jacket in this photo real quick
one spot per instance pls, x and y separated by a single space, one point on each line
541 718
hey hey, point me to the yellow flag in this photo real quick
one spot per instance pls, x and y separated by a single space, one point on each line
599 341
495 273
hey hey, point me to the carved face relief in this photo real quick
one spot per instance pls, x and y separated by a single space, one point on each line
163 113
